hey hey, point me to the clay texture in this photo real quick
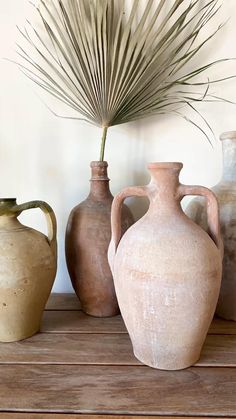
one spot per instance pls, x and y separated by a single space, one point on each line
226 195
87 238
167 271
27 270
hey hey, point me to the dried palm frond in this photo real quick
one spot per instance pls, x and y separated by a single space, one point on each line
113 66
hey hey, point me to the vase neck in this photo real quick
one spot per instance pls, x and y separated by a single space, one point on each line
8 214
229 156
99 182
164 186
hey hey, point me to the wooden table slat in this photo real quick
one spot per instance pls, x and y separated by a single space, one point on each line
63 301
78 322
222 327
16 415
83 367
118 390
99 349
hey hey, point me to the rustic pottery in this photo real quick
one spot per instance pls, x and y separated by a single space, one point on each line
87 239
226 195
28 269
167 271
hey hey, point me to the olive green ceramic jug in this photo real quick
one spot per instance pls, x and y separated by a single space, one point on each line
28 262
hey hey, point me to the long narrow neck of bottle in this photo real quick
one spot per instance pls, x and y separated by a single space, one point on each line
229 159
99 182
164 189
99 189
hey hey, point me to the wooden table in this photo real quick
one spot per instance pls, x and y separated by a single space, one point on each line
79 366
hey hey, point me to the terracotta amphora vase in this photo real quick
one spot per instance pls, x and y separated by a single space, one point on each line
167 271
87 239
27 270
226 195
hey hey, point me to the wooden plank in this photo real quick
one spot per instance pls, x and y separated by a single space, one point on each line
86 349
78 322
219 350
69 302
60 301
223 327
103 349
118 390
79 416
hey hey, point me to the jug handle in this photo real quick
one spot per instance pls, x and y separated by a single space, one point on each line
116 217
212 211
50 218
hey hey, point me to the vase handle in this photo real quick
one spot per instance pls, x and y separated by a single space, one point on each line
50 217
116 217
212 211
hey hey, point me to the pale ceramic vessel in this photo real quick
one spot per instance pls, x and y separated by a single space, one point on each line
226 195
27 270
167 271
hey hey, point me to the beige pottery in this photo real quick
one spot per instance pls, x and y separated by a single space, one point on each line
225 191
27 270
167 271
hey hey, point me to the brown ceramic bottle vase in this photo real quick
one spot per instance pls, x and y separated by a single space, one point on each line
225 191
87 238
167 271
28 263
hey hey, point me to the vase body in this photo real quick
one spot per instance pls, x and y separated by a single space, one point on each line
87 238
167 273
27 273
226 195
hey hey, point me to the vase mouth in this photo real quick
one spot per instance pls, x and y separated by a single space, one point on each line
228 135
7 200
165 165
6 205
98 163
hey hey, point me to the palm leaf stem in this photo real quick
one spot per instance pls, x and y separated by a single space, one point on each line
103 143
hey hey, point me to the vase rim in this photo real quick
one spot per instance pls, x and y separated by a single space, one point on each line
228 135
98 163
6 204
7 200
165 165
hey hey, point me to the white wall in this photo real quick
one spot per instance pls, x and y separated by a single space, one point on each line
43 157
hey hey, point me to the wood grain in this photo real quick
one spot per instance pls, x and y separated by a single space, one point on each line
58 301
222 327
78 322
83 367
103 349
118 390
14 415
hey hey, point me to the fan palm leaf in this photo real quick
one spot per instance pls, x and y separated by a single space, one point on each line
112 66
